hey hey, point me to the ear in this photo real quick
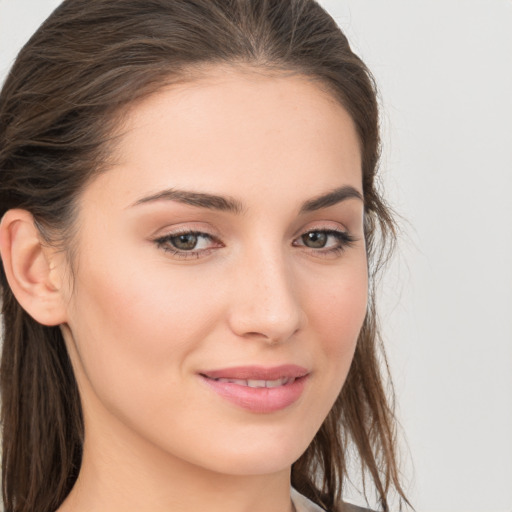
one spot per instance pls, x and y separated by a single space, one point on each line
32 269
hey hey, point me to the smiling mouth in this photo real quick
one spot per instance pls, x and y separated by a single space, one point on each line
252 383
258 389
257 373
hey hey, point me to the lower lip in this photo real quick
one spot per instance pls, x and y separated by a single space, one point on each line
259 400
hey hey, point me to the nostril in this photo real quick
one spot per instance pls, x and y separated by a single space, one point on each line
264 337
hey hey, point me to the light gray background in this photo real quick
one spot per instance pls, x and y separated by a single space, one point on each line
445 76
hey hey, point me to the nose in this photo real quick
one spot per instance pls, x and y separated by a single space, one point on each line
266 304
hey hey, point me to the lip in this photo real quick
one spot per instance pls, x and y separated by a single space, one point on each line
275 397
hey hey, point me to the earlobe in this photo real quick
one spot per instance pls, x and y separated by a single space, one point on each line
28 268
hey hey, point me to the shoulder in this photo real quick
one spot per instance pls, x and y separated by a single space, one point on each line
303 504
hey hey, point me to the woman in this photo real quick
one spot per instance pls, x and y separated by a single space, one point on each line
189 239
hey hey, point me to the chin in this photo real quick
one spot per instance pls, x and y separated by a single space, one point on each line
261 455
255 464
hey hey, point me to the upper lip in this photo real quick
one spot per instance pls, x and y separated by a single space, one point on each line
257 372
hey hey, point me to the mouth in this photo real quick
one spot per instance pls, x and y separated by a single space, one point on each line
257 373
258 389
250 383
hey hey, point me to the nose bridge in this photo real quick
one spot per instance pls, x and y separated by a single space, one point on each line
267 304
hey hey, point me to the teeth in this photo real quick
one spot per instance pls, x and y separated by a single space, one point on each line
256 383
278 382
234 381
251 383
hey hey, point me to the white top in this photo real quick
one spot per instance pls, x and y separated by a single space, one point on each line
303 504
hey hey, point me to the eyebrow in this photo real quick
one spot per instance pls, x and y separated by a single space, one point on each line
200 199
331 198
229 204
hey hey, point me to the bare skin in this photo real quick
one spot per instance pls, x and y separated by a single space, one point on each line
165 292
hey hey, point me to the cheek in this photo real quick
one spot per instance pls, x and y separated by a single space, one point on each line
338 303
337 308
344 311
135 326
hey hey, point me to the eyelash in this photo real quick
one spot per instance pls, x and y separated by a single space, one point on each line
344 239
165 242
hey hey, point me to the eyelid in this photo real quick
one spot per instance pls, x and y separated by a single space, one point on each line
330 230
163 241
345 240
185 227
322 226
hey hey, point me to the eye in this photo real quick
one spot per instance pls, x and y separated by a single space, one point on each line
188 244
325 241
315 239
185 242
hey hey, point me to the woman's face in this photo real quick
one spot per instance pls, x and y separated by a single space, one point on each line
220 279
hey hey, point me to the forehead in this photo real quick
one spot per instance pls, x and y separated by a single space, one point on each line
236 131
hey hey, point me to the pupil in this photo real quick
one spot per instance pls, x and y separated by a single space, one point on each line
185 242
315 240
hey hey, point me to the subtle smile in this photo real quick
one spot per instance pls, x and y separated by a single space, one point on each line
259 383
258 389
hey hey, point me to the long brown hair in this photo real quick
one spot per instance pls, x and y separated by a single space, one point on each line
58 110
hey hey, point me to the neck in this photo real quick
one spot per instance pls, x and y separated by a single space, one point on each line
122 473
